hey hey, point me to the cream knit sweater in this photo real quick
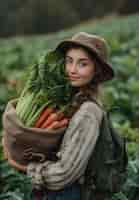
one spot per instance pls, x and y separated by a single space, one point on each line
76 148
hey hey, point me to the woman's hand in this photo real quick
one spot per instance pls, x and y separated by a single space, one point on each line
17 166
10 160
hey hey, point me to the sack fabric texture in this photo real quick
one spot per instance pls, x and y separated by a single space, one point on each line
28 144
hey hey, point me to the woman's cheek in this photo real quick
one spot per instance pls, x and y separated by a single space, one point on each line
84 72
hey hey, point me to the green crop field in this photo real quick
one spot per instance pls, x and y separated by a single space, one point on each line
17 54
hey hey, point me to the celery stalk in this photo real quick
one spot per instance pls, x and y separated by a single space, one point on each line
21 105
26 108
32 108
31 114
29 107
37 114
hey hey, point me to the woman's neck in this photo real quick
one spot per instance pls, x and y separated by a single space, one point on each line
87 90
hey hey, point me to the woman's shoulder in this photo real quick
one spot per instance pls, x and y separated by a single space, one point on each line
89 109
92 108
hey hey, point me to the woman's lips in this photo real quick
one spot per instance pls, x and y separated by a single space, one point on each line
73 77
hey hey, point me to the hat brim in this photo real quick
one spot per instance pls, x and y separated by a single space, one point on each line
108 72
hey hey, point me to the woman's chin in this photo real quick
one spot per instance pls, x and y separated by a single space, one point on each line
75 84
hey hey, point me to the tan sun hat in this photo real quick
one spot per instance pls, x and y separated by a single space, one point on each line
96 45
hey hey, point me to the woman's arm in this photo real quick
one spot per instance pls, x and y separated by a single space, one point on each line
5 152
10 160
76 148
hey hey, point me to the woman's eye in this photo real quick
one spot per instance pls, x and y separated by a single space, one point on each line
68 60
83 64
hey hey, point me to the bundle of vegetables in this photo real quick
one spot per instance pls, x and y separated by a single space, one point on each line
46 91
44 103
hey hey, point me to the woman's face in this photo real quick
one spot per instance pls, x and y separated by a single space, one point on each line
80 67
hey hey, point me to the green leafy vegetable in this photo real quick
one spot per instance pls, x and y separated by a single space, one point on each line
47 85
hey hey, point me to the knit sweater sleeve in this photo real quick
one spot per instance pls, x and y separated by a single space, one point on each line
77 145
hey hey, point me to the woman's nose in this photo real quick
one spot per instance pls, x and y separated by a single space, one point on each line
73 68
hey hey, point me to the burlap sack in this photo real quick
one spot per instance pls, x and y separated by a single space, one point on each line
28 144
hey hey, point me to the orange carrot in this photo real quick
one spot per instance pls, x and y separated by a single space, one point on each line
53 117
58 124
57 116
43 116
53 125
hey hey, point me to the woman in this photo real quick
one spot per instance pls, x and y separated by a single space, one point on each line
86 65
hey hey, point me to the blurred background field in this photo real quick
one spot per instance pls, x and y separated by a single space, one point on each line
121 32
19 17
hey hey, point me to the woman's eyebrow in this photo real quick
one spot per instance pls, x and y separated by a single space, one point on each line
81 59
